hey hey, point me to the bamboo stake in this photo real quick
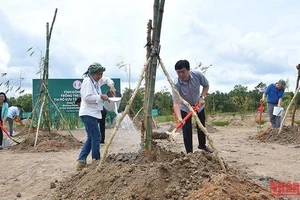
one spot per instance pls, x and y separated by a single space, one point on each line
154 122
157 21
287 109
59 112
123 114
295 100
194 115
46 72
31 124
137 113
148 54
39 121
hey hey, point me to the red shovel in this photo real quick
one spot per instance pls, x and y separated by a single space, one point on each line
261 110
8 135
180 124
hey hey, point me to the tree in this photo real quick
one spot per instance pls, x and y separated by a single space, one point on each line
219 102
137 103
26 102
163 102
261 87
240 98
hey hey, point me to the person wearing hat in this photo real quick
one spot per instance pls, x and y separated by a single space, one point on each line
90 110
275 95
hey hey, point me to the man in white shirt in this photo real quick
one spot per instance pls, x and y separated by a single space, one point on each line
13 114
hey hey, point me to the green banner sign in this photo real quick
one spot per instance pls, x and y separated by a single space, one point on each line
64 93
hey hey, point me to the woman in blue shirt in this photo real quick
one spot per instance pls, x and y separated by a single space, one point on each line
3 114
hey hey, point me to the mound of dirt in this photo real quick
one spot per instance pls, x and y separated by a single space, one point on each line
160 174
228 186
46 142
288 135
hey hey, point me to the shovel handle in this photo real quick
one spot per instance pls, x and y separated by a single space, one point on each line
8 135
180 124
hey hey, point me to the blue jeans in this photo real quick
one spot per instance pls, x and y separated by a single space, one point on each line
93 139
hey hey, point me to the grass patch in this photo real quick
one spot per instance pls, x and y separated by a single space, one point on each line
220 123
263 121
166 118
297 122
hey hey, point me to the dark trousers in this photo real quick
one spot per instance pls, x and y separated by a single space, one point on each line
10 125
188 132
102 125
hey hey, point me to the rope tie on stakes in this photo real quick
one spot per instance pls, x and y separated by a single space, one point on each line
149 44
155 53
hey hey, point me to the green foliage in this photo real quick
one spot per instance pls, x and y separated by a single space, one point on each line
166 118
163 102
287 98
241 99
220 123
219 102
137 103
24 100
263 121
297 122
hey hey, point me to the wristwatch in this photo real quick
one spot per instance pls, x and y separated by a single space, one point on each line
202 97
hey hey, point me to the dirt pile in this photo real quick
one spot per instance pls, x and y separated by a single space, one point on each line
288 135
229 186
46 142
160 174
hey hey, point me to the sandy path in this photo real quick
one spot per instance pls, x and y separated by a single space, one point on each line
257 158
31 174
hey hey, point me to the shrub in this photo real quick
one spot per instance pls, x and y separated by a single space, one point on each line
220 123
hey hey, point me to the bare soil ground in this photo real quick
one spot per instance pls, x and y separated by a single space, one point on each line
252 158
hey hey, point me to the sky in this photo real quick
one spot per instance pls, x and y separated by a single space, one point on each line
245 42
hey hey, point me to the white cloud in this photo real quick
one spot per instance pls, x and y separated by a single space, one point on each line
4 58
246 41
